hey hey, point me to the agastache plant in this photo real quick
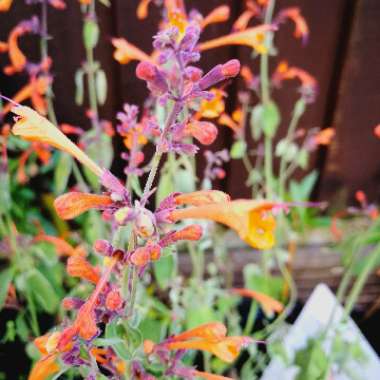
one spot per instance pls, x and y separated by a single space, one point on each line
138 234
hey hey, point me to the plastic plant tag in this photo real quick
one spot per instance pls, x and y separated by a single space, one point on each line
340 352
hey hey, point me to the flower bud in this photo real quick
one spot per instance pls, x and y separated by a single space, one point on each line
144 223
103 247
114 300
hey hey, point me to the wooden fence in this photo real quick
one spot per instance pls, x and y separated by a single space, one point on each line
342 53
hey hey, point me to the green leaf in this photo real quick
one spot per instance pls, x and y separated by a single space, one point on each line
6 277
303 159
313 362
238 149
112 332
301 191
164 270
42 290
62 172
255 122
90 34
79 87
22 327
101 86
5 195
265 118
152 329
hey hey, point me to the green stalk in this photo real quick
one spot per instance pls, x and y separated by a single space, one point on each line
265 99
44 55
360 282
297 113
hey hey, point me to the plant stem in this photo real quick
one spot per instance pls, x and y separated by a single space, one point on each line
251 318
361 280
265 99
289 136
44 56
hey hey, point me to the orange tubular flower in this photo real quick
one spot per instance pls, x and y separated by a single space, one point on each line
44 368
34 90
211 331
78 266
283 71
302 29
269 304
142 9
62 247
5 5
219 14
210 376
211 109
325 136
33 127
70 205
126 52
226 349
251 37
201 198
210 337
249 218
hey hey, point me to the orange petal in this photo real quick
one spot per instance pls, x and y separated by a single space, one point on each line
33 127
210 376
70 205
209 331
5 5
219 14
126 52
44 368
269 304
61 246
142 9
202 197
78 266
251 37
248 218
16 56
242 22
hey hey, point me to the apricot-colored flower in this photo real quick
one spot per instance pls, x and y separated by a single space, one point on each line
44 368
252 37
5 5
33 127
234 122
284 71
178 19
70 205
294 13
226 349
114 300
142 9
62 247
78 266
35 89
219 14
126 52
202 197
144 255
269 304
325 136
210 331
209 376
211 109
249 218
243 20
